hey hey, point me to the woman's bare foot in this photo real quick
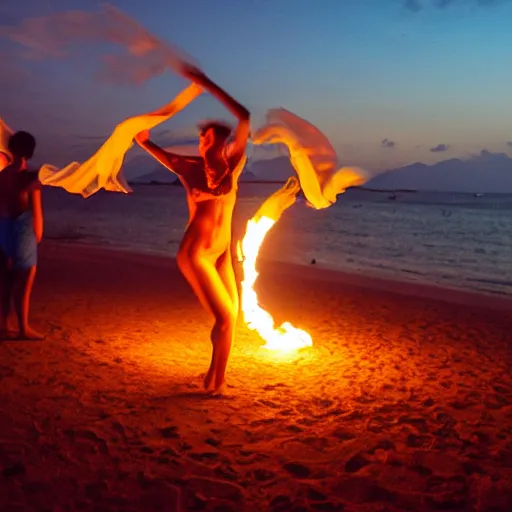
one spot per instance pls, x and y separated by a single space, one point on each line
30 334
220 391
209 379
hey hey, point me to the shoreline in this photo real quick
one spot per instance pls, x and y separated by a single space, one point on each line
329 274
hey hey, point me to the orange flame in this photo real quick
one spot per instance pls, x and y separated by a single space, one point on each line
285 338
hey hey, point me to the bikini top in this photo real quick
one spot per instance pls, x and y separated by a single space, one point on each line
222 187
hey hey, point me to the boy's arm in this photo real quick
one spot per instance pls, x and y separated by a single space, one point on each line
37 210
239 111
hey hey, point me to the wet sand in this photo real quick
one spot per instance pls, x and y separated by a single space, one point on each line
403 403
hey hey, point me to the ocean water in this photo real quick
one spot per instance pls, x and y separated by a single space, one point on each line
457 241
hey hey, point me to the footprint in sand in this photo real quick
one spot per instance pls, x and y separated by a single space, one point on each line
459 405
446 419
169 452
323 403
263 475
495 402
385 445
471 468
501 389
418 423
227 473
88 437
421 441
421 470
170 432
14 470
268 403
297 470
248 457
379 424
6 371
212 488
265 421
313 494
449 493
343 435
281 503
325 507
271 387
204 456
356 463
360 490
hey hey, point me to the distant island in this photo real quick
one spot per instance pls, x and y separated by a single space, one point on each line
483 173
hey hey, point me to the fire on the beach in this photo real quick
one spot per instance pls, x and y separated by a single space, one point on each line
285 338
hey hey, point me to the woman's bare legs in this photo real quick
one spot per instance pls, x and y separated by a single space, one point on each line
226 272
205 280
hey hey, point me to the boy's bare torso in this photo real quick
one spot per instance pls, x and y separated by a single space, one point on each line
15 188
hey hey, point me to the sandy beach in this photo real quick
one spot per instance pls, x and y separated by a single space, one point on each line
403 403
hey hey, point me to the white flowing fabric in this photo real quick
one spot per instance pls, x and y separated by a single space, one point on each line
103 169
5 134
312 156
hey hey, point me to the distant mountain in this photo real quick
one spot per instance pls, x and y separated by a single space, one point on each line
272 169
139 165
486 172
160 176
164 177
248 176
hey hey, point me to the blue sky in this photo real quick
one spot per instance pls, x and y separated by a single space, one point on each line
363 71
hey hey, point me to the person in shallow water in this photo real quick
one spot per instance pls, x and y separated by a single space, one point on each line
211 184
21 229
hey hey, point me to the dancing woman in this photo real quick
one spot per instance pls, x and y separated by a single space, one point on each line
211 184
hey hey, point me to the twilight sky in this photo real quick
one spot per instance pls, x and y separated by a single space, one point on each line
389 81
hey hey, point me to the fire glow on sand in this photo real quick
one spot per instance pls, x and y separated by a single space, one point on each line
285 338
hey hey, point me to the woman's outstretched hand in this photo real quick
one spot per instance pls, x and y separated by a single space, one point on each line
193 73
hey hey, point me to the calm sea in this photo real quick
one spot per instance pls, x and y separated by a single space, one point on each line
454 240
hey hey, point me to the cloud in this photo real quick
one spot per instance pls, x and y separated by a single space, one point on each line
440 148
386 143
143 56
417 5
509 143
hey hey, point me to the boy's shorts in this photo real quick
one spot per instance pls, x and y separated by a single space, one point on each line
18 241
